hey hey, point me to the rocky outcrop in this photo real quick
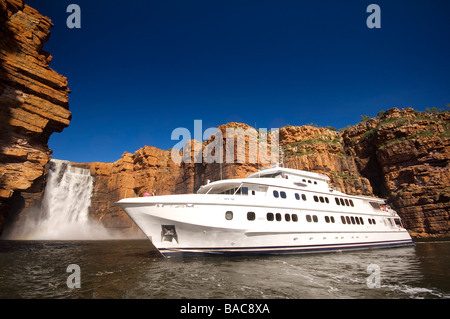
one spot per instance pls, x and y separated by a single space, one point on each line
33 102
406 156
322 150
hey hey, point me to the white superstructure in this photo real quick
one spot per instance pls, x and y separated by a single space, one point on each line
277 210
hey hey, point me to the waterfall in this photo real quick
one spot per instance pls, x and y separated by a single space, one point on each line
64 212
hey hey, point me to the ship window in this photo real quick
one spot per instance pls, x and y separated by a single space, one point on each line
278 217
229 215
346 202
342 202
244 191
303 196
251 216
253 192
332 219
294 218
270 217
304 180
348 220
315 183
327 219
275 194
357 220
297 196
283 194
316 199
326 200
308 218
351 203
321 199
398 222
315 219
370 221
353 220
373 221
361 220
343 220
337 201
309 181
287 217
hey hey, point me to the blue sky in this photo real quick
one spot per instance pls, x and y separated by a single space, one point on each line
140 69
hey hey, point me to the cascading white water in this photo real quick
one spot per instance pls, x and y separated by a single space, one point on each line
64 213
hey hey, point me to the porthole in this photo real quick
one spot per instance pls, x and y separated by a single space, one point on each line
332 219
343 220
297 196
303 196
322 200
337 201
283 194
327 219
275 194
278 217
348 220
294 218
353 220
315 219
326 200
316 199
351 203
229 215
308 218
251 216
287 217
270 217
342 202
346 202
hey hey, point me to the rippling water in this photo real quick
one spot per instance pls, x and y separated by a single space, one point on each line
132 269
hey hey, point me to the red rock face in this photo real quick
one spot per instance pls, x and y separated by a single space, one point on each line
406 156
33 101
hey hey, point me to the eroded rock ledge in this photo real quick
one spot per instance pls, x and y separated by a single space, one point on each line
33 102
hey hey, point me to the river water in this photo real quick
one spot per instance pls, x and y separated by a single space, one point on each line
131 269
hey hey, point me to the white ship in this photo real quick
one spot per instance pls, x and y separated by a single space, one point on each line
274 211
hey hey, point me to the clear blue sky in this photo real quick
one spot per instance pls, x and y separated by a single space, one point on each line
139 69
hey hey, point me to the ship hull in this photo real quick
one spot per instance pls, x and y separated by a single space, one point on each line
178 227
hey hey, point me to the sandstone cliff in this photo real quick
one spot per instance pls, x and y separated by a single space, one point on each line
404 156
33 102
